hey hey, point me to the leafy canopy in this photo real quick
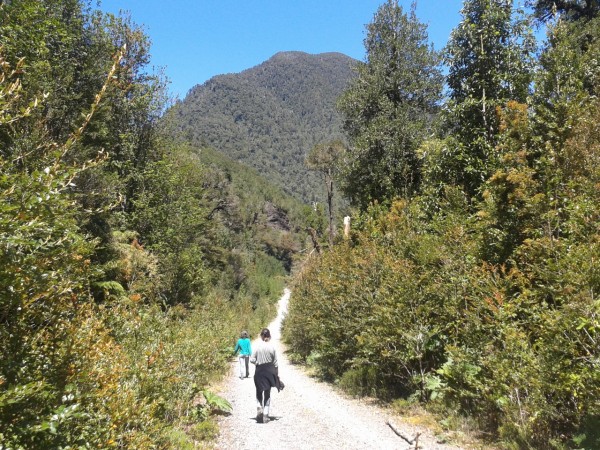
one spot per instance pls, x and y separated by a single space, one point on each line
388 107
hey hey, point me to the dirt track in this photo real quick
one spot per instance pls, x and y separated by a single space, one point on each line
308 414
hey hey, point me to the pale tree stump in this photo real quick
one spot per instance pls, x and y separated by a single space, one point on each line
346 227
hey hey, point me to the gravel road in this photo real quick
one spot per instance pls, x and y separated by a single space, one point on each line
308 414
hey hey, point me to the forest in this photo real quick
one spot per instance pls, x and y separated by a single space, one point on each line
129 260
269 116
469 282
131 257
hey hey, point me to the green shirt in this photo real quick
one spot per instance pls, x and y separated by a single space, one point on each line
243 345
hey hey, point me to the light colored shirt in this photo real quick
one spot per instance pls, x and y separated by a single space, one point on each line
264 352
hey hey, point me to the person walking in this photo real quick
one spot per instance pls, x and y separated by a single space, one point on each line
266 375
243 346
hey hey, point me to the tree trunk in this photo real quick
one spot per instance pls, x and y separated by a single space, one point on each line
330 206
314 238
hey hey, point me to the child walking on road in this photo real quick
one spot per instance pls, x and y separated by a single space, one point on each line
243 346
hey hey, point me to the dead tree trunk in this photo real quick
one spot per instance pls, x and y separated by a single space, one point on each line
315 240
346 227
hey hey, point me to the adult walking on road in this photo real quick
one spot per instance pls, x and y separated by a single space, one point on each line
266 375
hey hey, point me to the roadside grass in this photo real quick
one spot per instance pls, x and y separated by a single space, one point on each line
447 428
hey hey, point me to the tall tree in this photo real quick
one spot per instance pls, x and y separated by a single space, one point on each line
325 158
490 63
568 79
66 50
388 107
62 53
544 10
567 87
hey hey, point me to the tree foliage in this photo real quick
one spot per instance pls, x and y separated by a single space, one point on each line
478 297
490 63
326 158
129 259
545 10
388 107
127 266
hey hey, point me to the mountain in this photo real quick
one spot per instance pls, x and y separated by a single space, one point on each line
258 215
269 116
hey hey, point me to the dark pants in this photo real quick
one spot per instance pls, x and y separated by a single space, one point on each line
265 377
263 397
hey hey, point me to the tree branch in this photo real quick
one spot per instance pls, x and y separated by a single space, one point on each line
414 441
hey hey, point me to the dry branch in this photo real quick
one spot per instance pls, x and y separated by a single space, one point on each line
414 441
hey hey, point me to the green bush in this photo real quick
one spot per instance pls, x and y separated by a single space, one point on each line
363 382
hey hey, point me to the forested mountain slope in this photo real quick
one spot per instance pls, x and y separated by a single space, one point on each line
129 260
251 206
268 117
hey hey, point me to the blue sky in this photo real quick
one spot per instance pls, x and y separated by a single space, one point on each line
194 40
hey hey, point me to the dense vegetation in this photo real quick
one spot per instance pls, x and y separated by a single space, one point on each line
128 260
131 255
388 108
270 116
475 291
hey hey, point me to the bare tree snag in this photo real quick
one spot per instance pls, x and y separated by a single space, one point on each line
325 158
315 240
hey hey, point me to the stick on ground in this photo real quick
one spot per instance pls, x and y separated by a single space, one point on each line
414 441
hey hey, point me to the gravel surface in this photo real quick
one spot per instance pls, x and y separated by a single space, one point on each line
308 414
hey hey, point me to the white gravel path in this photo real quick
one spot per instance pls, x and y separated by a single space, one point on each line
308 414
